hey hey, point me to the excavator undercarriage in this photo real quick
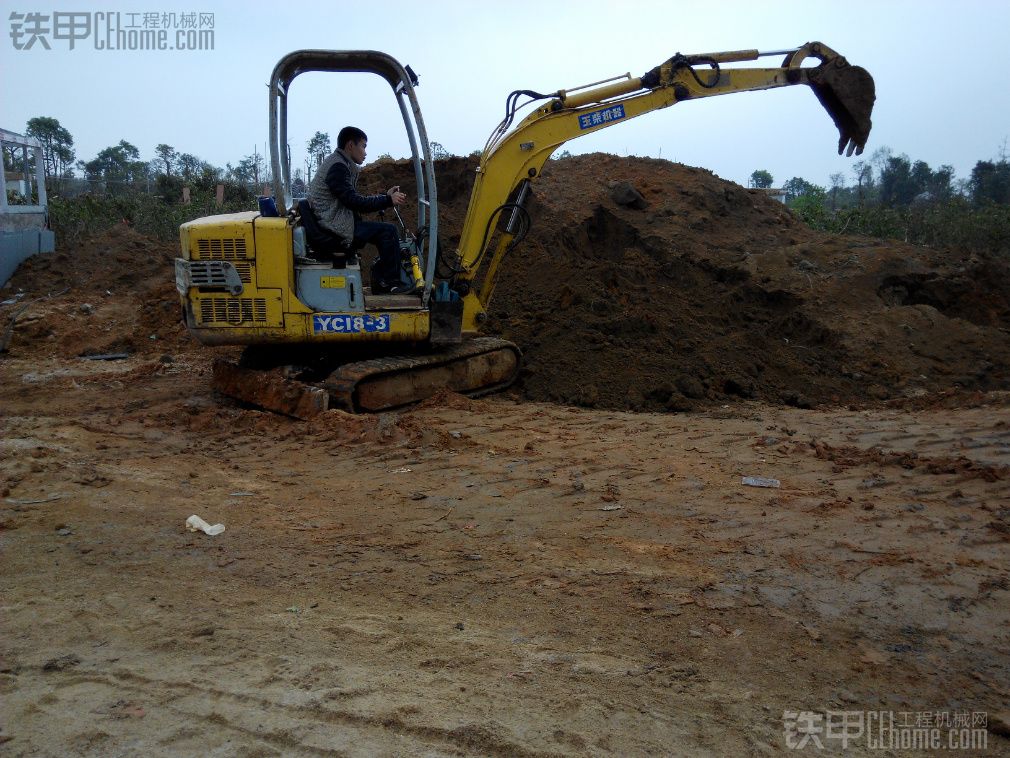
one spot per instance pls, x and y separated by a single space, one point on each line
304 390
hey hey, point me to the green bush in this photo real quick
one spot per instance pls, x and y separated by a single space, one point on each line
952 224
74 218
16 198
812 210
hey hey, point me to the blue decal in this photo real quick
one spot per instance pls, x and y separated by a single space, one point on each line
601 117
343 324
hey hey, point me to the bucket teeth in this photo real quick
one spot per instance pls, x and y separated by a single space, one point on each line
847 94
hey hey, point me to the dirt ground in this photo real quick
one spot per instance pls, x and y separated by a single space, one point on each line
558 570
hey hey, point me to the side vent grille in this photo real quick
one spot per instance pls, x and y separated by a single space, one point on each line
234 311
244 272
221 249
219 273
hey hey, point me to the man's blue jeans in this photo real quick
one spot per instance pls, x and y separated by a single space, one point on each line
385 237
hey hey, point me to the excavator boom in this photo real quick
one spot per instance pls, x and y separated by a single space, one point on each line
512 159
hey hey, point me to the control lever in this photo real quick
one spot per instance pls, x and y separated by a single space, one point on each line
415 261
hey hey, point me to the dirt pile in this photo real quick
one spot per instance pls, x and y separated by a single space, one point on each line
113 293
646 284
642 285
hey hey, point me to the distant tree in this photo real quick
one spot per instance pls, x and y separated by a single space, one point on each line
209 176
837 184
169 187
990 182
761 179
438 152
942 183
168 156
898 185
189 166
319 147
238 174
117 165
809 204
13 161
249 171
299 188
880 157
199 176
799 187
903 182
922 175
57 145
863 173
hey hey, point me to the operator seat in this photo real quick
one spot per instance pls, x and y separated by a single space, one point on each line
322 241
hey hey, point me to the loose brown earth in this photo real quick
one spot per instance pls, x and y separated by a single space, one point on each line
573 568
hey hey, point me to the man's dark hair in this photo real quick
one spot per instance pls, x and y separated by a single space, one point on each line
350 134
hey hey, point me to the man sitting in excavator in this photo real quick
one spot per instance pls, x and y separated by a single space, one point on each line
336 204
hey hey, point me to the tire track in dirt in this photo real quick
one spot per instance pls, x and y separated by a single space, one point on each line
467 738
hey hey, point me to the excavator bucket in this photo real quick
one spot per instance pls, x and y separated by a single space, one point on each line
847 94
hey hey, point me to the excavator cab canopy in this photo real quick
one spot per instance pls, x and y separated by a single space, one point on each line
402 80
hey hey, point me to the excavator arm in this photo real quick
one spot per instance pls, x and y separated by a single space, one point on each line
496 219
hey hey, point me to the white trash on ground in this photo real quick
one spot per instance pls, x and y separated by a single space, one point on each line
760 481
197 524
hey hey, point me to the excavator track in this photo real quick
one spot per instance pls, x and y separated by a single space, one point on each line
476 367
275 389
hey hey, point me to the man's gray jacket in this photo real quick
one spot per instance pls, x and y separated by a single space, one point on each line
333 195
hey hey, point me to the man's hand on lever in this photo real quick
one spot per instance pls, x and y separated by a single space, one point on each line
396 196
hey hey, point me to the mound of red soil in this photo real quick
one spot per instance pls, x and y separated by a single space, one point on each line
697 290
113 293
690 290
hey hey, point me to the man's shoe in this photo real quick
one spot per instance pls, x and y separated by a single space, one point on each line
403 289
381 288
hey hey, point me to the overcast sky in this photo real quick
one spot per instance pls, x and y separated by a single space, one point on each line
939 69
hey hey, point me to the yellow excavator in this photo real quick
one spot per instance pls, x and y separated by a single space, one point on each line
317 337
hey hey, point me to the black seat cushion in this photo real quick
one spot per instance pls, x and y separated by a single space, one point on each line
322 241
